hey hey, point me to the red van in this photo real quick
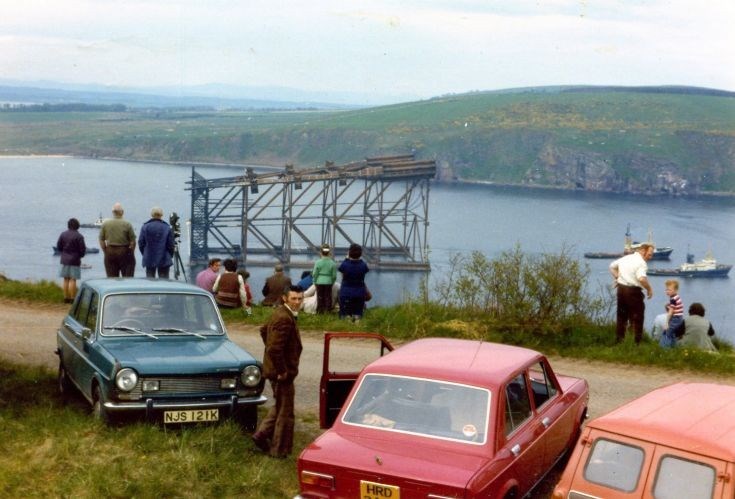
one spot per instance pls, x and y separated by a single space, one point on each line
674 442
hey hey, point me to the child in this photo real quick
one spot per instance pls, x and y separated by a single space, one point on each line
675 310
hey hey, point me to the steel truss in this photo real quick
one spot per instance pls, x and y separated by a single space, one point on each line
380 203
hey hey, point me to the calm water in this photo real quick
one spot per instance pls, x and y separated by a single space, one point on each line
38 195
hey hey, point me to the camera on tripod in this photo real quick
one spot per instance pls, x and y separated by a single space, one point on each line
173 220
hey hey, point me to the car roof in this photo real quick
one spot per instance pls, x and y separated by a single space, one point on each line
697 417
463 361
132 285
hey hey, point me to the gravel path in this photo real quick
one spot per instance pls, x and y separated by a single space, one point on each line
28 335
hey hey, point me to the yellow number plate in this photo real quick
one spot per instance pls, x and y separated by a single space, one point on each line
195 416
372 490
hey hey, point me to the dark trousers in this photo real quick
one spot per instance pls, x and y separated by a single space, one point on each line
323 298
119 261
631 309
278 424
163 272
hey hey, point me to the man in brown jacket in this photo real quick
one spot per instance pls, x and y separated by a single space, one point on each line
274 286
280 366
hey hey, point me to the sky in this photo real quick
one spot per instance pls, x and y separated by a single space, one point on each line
377 51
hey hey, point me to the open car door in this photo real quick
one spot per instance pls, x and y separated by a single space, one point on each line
345 355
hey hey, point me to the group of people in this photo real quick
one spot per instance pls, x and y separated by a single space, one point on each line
118 242
670 328
322 291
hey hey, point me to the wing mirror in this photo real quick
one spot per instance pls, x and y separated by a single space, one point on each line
86 333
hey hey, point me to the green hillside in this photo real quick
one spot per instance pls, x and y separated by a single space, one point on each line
670 140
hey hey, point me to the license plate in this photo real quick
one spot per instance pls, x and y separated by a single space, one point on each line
372 490
194 416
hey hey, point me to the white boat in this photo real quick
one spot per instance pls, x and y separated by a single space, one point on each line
706 267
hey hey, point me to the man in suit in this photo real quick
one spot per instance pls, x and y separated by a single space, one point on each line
281 366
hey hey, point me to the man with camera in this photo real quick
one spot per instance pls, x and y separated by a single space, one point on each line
156 243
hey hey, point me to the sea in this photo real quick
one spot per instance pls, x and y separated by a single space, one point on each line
39 194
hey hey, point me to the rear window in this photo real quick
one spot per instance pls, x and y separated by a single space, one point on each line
421 406
678 478
614 464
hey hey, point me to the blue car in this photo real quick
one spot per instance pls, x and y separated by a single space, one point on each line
155 348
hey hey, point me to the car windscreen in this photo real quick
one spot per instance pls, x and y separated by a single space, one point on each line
419 406
159 314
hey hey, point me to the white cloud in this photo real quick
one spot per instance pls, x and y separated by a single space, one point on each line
419 47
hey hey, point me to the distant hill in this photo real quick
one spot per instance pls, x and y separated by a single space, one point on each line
210 97
652 140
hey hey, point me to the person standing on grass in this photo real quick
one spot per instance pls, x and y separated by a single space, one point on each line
353 293
324 275
674 313
629 274
117 241
72 249
283 348
156 244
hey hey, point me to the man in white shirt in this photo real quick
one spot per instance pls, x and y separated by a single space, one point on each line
629 273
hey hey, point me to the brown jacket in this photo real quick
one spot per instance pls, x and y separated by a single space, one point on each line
273 289
282 345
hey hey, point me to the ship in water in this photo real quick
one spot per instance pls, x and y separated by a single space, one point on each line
94 225
706 267
659 253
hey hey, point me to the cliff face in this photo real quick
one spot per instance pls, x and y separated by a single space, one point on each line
709 164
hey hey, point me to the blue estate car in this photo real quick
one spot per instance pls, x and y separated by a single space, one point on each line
156 348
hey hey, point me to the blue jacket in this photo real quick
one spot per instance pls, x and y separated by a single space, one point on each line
156 243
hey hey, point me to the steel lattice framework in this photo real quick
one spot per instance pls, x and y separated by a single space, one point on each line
284 216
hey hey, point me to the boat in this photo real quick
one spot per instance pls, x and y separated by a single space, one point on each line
659 253
89 250
95 225
706 267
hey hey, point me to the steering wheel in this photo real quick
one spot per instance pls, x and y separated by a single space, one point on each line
134 323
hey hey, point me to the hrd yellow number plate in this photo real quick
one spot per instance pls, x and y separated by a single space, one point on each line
372 490
195 416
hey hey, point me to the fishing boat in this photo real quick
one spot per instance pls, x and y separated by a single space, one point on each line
95 225
706 267
659 253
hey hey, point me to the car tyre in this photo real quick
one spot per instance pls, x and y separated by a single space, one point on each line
98 406
247 417
64 383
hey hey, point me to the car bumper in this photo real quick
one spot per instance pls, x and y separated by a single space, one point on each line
151 406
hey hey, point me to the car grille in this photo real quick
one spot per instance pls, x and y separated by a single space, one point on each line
179 386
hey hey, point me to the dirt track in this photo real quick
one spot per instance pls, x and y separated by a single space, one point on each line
28 335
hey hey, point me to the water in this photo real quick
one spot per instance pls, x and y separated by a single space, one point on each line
38 195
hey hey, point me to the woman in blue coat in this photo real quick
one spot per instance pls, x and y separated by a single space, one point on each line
353 291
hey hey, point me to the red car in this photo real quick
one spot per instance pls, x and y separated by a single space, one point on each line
440 418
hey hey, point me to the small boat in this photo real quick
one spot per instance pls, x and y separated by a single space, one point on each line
659 253
89 250
95 225
85 266
706 267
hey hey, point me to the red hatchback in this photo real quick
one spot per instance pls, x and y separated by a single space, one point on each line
442 418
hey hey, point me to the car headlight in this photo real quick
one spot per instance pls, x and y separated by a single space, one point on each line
250 376
126 379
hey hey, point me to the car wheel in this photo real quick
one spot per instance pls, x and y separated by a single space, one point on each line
98 406
64 383
247 417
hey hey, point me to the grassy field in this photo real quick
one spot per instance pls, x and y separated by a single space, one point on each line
50 447
484 136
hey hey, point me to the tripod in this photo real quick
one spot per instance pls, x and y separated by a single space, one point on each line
178 264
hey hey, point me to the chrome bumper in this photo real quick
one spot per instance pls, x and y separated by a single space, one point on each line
150 405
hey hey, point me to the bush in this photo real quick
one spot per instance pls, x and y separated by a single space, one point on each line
538 294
